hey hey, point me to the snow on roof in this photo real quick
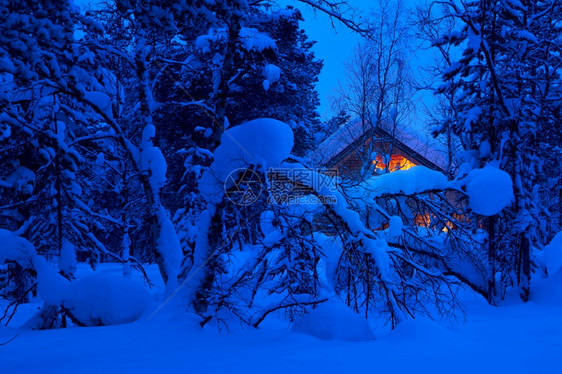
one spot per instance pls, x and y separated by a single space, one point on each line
354 130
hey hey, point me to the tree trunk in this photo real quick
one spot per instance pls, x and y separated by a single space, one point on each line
205 283
525 268
492 293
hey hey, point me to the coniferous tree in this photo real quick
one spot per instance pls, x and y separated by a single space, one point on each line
507 95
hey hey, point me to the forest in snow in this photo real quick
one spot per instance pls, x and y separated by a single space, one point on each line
176 194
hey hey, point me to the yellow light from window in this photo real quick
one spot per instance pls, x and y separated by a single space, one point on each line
397 162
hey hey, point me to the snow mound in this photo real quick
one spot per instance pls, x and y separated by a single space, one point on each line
106 299
51 286
548 291
553 254
99 299
489 190
333 320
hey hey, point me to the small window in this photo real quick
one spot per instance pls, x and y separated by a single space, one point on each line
397 162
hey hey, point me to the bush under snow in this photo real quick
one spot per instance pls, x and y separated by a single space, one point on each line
99 299
105 299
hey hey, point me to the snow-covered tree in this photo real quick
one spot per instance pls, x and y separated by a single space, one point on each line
507 94
101 103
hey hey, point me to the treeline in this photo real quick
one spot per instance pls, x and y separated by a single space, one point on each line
125 130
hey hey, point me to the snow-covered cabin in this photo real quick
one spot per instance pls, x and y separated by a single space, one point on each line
382 147
357 151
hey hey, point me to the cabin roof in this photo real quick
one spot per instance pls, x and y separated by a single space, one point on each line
346 139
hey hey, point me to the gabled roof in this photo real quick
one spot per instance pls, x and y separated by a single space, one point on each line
349 137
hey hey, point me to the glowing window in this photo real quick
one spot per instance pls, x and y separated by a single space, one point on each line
397 162
422 220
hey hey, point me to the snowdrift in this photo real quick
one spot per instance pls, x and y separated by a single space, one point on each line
333 320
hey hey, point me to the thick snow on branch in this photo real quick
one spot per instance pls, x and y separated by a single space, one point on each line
67 258
370 242
152 160
203 43
272 74
262 142
169 248
416 180
16 249
21 180
489 190
254 40
101 101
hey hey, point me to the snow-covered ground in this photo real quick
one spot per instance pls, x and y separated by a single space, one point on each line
514 337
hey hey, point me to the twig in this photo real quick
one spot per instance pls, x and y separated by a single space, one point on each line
6 342
269 311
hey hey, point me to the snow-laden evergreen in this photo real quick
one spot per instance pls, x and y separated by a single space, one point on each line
165 173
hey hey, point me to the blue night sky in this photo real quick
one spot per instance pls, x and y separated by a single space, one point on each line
336 44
